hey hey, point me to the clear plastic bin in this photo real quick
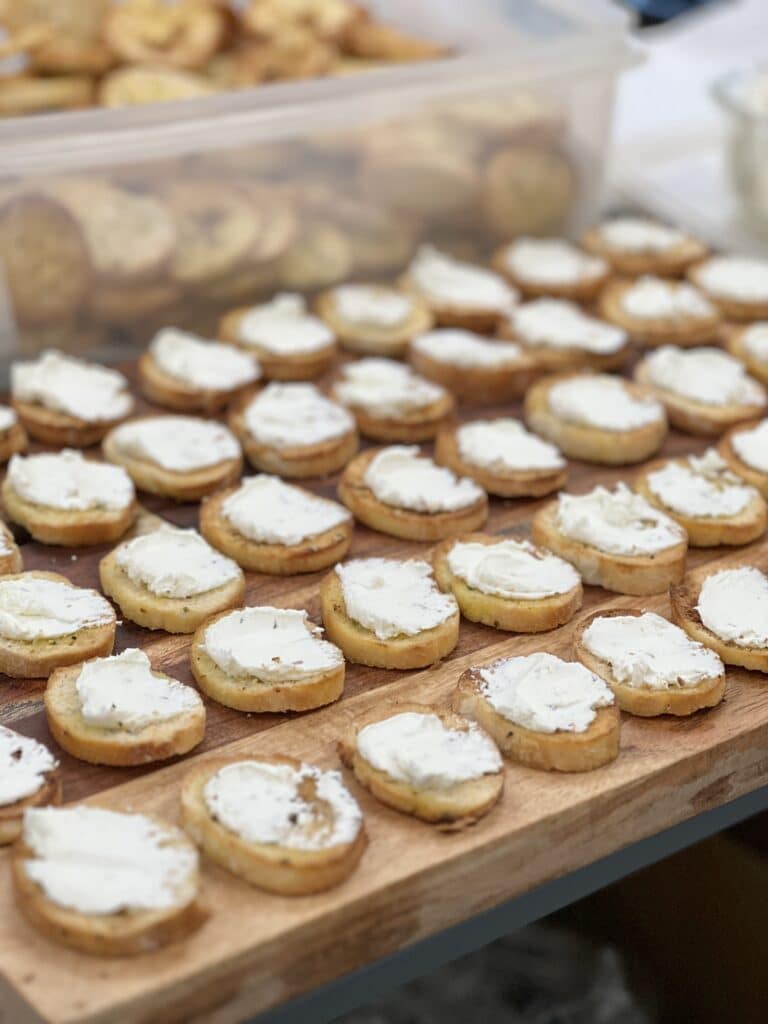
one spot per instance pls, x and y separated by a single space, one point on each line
115 222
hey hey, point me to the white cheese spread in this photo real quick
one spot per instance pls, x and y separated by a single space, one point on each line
24 765
552 261
511 569
733 604
603 402
402 477
8 418
735 277
505 446
72 386
268 511
283 327
651 298
34 608
385 388
372 306
180 444
446 281
559 324
639 235
751 446
755 341
618 522
198 363
467 350
170 562
67 481
705 375
288 415
700 486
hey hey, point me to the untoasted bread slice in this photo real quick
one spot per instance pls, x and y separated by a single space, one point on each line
59 428
451 808
285 366
559 751
624 574
684 331
402 522
271 866
515 615
171 393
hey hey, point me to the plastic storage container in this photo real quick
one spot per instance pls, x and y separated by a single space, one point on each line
115 222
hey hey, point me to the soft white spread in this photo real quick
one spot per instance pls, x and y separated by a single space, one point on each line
35 608
24 765
735 277
123 693
543 693
300 808
267 510
619 522
393 598
454 283
755 341
8 418
751 446
511 568
72 386
701 486
67 481
270 644
372 305
504 445
210 365
649 652
559 324
385 388
552 261
404 478
656 297
284 415
638 235
706 375
734 605
283 327
176 563
465 349
419 749
181 444
103 862
603 402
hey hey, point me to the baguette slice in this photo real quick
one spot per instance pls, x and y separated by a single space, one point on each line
271 866
670 262
477 385
411 427
726 448
372 339
735 342
652 331
402 522
285 366
10 556
169 392
450 809
49 426
624 574
584 289
12 815
557 751
646 701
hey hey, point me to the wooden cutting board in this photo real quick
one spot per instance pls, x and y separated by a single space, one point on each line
257 950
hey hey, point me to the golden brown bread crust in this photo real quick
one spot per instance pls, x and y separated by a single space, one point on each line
653 331
11 560
730 309
585 290
67 527
117 747
477 385
12 815
684 598
708 531
309 555
296 366
256 695
510 483
694 417
181 486
275 868
127 933
369 339
624 574
551 358
161 388
558 751
515 615
411 427
12 441
400 522
734 342
672 262
645 701
36 659
591 444
749 473
59 428
153 611
363 647
297 461
449 809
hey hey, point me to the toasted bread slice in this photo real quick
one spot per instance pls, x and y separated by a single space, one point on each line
48 791
553 358
363 647
731 308
120 748
372 339
738 465
450 808
310 555
624 574
559 751
10 556
584 289
411 427
515 615
12 441
709 531
59 428
448 314
684 599
735 343
507 483
477 385
126 933
670 262
67 527
401 522
293 366
592 444
662 330
646 701
271 866
36 659
171 393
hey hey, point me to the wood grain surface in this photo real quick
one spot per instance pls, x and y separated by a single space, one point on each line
258 950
